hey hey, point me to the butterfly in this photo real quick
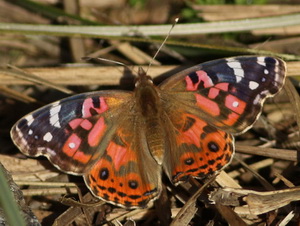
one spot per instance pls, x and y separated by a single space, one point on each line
122 141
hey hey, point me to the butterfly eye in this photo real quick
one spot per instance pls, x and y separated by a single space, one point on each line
150 80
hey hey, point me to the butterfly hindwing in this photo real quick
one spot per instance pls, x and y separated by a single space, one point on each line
71 133
227 93
126 174
196 148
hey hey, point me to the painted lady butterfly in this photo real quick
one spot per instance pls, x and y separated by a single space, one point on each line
122 141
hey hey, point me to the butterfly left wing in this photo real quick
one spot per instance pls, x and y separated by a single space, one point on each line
227 93
97 135
126 174
72 133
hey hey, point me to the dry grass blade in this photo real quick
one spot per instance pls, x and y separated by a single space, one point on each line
72 202
224 12
224 180
18 73
262 180
84 212
49 191
189 209
16 95
287 218
294 98
284 154
257 202
231 217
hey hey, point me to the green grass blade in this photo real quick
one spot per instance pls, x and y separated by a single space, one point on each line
8 204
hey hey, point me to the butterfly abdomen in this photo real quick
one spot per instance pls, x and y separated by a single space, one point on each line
155 138
150 110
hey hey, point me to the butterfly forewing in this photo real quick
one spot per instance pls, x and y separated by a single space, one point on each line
227 93
71 133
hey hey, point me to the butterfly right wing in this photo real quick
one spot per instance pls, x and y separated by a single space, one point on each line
206 103
72 133
195 148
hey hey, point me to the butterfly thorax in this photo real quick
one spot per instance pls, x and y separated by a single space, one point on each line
149 107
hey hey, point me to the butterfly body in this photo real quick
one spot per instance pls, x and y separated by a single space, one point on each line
150 110
121 141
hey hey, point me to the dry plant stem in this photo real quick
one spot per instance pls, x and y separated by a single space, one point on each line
72 202
284 154
255 166
102 75
294 98
49 191
184 215
35 79
46 184
77 210
262 180
76 44
224 180
284 180
180 29
287 218
224 12
230 216
106 75
16 95
257 202
127 215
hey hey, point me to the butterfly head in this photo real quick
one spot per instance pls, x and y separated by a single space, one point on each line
143 79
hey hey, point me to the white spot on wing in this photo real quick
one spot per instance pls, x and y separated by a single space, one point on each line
276 68
266 71
48 137
253 85
237 68
235 104
261 61
71 145
54 118
30 132
29 119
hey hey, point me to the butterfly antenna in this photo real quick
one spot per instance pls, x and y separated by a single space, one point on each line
162 44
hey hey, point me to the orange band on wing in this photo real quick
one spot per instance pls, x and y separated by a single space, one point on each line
232 118
207 105
96 134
